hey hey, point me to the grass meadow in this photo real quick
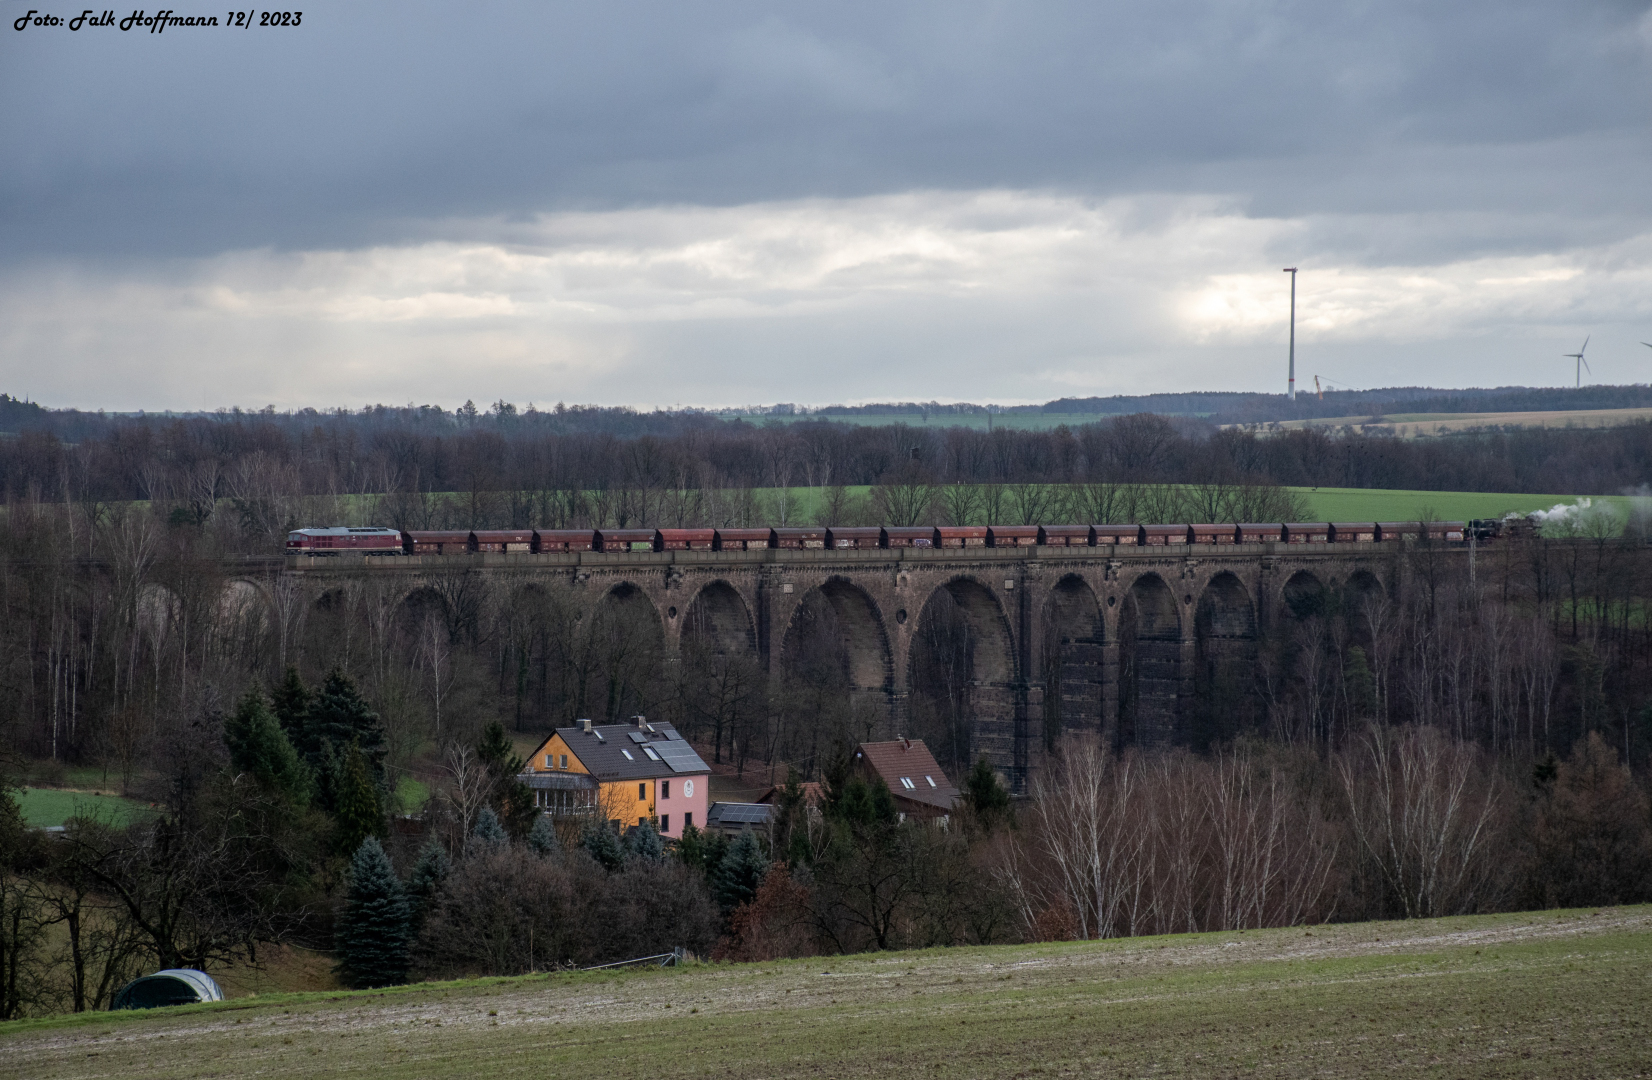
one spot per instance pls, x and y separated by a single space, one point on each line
45 807
1349 504
1550 994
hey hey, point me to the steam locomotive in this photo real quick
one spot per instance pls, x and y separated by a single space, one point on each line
381 541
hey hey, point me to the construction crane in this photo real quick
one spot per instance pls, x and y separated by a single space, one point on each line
1320 390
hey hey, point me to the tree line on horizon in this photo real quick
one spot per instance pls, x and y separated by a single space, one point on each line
251 478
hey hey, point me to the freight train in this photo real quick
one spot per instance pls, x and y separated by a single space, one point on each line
382 541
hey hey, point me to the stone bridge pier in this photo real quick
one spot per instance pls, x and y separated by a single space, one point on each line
1004 651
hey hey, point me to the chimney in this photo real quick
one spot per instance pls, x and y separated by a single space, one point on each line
906 744
585 726
642 722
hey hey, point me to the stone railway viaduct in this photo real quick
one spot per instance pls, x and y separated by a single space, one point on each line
1112 641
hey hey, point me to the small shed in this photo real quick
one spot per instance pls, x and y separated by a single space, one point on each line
733 818
174 986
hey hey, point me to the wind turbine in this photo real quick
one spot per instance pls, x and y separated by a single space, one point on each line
1582 363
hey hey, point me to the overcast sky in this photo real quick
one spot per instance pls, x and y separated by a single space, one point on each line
734 203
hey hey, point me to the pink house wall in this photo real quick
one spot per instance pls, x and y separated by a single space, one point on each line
671 809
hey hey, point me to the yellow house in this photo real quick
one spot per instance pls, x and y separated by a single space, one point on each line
625 774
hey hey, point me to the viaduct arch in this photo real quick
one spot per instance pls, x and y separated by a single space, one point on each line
1002 652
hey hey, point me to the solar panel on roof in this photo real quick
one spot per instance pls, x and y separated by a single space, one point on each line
741 813
672 734
680 756
637 736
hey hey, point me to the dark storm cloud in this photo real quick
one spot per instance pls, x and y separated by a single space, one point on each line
371 121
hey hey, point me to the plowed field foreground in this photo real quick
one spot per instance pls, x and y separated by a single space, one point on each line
1542 995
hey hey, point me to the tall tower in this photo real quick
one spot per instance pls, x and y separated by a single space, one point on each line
1291 383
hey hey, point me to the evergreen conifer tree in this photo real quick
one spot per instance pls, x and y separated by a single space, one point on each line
600 842
864 804
691 848
374 929
791 833
291 701
510 798
740 872
359 803
488 835
337 715
986 795
643 842
542 838
260 748
428 874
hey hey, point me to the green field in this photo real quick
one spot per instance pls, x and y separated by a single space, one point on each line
1372 504
44 807
1348 504
1552 994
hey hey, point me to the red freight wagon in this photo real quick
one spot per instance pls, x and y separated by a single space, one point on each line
437 543
1353 532
1005 536
1398 530
567 540
627 540
1211 534
1307 532
743 539
1122 535
909 536
331 541
1254 532
1163 535
797 539
504 539
1447 530
1066 536
858 537
687 539
961 536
